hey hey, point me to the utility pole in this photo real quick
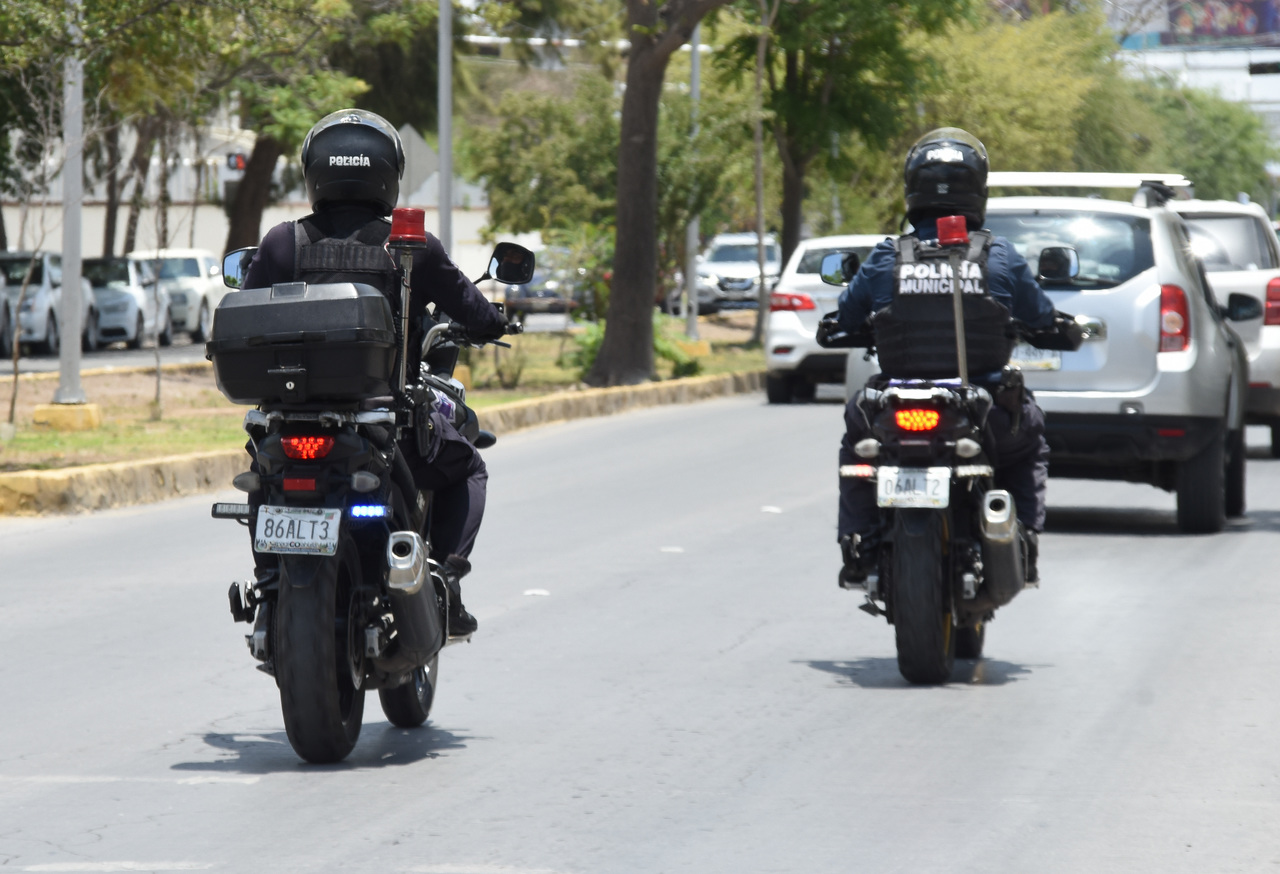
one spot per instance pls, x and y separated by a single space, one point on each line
444 124
69 324
691 238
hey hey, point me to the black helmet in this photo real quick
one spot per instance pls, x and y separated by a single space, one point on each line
353 156
946 174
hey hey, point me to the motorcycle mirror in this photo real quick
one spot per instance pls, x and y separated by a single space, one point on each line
1058 264
510 264
235 264
838 268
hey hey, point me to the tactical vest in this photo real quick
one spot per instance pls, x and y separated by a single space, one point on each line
915 334
361 256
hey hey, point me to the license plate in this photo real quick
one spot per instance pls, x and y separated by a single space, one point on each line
297 530
1028 357
913 486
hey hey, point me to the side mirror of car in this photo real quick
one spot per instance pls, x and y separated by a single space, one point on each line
235 264
838 268
1242 308
510 263
1058 264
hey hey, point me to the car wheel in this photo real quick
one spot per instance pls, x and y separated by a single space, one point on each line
1202 489
803 390
1275 441
139 331
165 337
204 324
1235 485
777 388
52 344
89 340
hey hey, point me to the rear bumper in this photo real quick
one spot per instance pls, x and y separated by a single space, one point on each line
1137 448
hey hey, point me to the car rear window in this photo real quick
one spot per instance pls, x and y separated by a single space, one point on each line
102 272
176 268
1230 242
1112 248
743 252
15 269
811 261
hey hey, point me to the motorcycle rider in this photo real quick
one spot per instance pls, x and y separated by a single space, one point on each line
945 174
352 162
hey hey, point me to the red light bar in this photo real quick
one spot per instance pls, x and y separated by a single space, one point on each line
952 230
408 225
299 484
916 420
306 448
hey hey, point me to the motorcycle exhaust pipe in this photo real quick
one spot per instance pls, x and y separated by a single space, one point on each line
1003 572
419 623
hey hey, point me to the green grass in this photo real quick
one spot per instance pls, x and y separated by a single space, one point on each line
32 449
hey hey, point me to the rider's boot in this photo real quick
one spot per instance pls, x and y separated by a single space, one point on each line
461 622
859 556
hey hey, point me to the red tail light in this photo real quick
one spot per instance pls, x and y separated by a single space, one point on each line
1272 313
306 448
916 420
299 484
786 302
1175 319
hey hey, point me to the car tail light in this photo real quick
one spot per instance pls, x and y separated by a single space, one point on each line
1272 314
1175 319
299 484
916 420
786 302
306 448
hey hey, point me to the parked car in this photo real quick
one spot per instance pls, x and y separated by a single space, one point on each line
7 319
1156 394
193 279
729 272
130 306
38 316
544 293
1238 245
794 361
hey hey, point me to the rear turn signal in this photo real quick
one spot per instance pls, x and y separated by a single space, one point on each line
1272 313
916 420
786 302
1175 319
306 448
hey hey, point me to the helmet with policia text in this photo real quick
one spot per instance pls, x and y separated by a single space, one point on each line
353 156
946 174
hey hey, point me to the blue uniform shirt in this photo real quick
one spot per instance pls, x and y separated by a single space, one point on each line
1009 280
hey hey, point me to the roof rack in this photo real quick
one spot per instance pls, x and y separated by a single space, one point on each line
1036 179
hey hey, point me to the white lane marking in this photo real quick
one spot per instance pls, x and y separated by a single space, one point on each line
541 593
768 509
180 781
478 869
119 866
671 549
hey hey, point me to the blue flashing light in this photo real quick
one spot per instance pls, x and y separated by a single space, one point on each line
368 511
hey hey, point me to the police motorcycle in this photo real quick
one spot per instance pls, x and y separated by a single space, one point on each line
951 548
357 604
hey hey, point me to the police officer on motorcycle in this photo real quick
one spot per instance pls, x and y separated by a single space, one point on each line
352 162
946 175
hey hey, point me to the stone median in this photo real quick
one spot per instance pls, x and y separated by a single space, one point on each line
124 483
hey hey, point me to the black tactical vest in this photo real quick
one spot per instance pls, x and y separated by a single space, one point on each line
319 256
915 334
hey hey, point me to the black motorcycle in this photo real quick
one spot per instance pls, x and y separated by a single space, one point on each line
357 603
951 549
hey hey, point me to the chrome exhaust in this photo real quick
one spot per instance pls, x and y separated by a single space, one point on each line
1003 573
418 612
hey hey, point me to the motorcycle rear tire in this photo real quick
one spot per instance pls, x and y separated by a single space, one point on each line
408 706
319 654
921 618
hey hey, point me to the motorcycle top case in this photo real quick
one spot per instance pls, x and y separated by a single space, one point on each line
300 343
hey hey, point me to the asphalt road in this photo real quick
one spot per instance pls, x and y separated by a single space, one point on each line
666 679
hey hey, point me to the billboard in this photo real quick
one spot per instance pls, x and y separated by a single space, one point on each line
1222 23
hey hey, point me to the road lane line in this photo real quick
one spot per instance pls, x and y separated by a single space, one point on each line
179 781
119 866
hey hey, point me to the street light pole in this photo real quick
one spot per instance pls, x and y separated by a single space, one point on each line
444 124
691 239
69 388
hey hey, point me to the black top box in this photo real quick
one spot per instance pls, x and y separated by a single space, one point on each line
296 343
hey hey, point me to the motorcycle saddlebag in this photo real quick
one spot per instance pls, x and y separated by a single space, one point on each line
300 343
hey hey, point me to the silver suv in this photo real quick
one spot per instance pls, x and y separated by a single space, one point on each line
1156 393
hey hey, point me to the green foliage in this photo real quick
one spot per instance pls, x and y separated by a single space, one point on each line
667 334
587 250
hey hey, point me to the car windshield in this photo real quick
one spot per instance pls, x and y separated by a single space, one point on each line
743 252
14 269
178 268
811 261
1230 242
1112 248
105 272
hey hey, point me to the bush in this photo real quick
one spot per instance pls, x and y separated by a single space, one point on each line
666 332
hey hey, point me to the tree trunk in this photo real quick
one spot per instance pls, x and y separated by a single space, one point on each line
253 194
626 355
793 173
757 137
111 138
139 170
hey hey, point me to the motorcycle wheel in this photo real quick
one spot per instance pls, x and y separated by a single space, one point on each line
319 656
921 620
969 640
408 706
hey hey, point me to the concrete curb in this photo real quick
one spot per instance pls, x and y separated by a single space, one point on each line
126 483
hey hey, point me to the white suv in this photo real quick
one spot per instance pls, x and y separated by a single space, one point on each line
729 271
193 279
1156 393
794 361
